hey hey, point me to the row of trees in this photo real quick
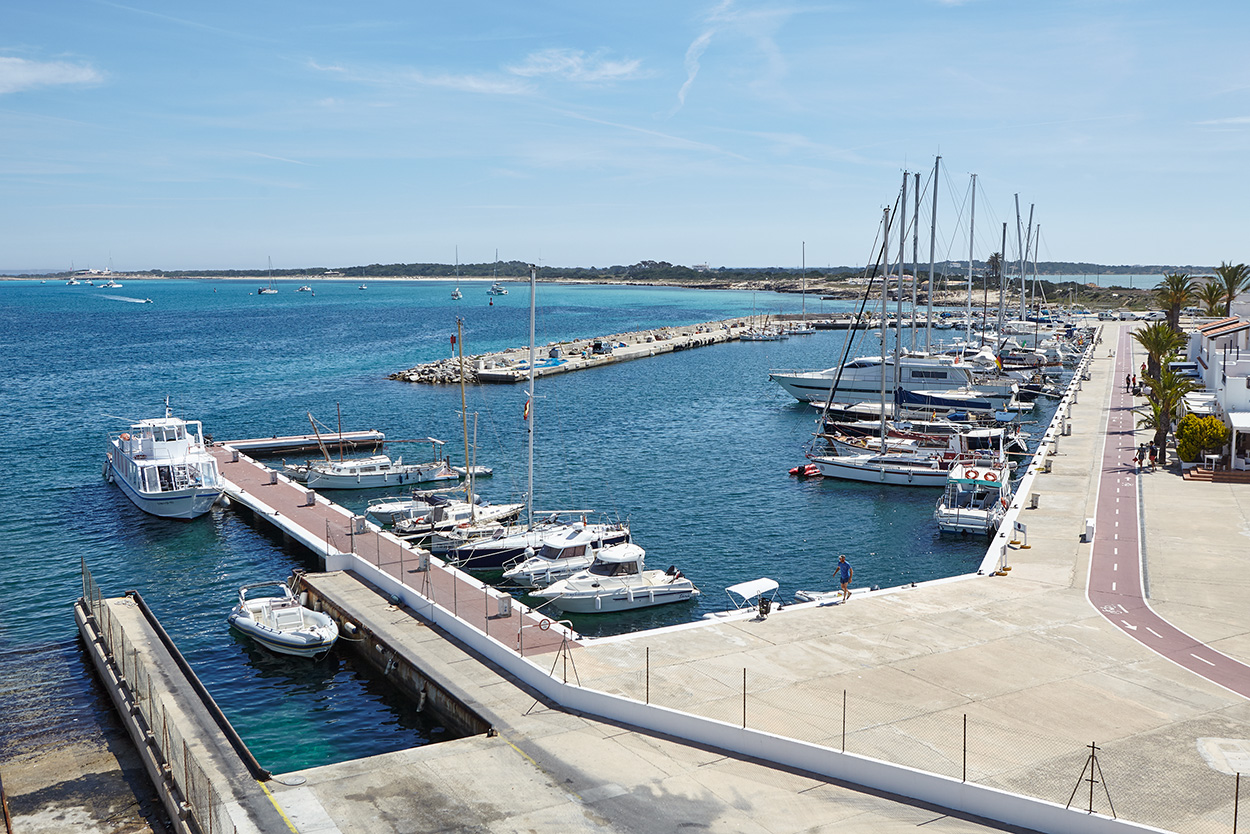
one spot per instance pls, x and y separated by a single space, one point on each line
1163 341
1178 290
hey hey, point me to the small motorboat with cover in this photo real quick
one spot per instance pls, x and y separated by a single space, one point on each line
271 615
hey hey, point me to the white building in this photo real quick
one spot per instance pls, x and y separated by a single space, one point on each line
1221 351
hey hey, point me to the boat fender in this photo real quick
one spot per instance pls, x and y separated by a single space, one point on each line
1006 504
349 628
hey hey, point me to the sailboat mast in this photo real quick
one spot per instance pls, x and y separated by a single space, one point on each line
885 295
1002 288
928 318
1020 252
915 258
529 403
902 254
464 424
1028 245
804 272
971 225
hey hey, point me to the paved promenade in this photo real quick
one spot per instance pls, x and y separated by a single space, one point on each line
1001 680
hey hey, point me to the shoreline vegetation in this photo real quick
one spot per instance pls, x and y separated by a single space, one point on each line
1060 283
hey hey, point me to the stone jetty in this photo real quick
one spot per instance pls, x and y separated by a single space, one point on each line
512 365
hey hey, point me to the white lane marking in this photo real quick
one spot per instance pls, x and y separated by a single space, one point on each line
1203 659
1115 566
1123 609
1155 633
1129 627
1113 586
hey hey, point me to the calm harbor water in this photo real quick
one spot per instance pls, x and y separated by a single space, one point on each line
692 448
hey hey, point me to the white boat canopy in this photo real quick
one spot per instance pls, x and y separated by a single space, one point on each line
749 590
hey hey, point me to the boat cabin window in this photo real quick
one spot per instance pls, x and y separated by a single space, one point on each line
916 374
149 479
614 568
166 478
551 552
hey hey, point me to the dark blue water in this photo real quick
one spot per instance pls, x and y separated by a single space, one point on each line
692 448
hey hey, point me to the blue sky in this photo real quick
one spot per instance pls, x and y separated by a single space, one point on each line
216 135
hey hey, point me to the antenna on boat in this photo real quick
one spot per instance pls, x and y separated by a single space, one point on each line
529 404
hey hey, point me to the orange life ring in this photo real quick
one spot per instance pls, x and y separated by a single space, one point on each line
1006 503
125 436
971 474
991 477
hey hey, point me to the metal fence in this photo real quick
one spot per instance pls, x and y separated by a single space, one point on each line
1126 777
203 802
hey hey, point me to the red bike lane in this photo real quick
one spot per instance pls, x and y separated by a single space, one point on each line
1114 585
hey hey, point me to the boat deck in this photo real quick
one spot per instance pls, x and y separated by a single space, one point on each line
332 532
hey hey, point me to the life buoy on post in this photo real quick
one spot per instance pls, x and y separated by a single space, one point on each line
991 477
544 624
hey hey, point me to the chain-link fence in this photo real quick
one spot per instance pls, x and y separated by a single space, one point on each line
203 802
1138 776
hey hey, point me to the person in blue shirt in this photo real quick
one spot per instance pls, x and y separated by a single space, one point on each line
845 572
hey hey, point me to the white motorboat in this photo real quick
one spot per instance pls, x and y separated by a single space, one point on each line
271 615
562 554
497 289
456 295
861 378
504 546
164 467
387 511
110 284
976 498
616 581
305 288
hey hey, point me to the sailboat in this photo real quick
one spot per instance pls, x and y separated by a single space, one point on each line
511 544
803 328
885 466
456 295
271 289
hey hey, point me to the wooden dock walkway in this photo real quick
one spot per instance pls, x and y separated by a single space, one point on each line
338 536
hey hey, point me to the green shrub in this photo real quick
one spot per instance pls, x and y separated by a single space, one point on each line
1195 435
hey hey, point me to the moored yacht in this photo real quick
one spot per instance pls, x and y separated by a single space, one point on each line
976 498
562 555
617 582
374 472
861 378
164 467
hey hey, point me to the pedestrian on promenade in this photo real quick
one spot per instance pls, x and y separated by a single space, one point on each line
1154 454
1134 380
1143 369
845 572
1140 457
1128 383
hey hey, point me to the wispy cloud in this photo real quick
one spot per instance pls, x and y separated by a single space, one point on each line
1231 120
576 65
467 83
17 74
275 158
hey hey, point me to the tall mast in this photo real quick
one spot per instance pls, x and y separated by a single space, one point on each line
902 255
1002 288
464 423
915 258
529 403
1028 245
804 271
1020 252
971 226
928 318
885 295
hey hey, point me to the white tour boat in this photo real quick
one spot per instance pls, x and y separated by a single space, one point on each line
164 467
861 378
271 615
976 499
617 582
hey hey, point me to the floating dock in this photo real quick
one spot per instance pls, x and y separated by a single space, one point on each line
355 440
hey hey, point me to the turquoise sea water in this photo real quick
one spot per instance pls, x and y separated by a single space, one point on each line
692 448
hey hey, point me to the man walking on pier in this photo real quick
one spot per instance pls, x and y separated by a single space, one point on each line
845 572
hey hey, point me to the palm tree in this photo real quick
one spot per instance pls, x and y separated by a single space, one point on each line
1234 279
1164 394
1211 297
1174 292
1159 341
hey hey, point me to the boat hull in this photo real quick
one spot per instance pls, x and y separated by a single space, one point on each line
496 554
612 601
296 644
863 468
183 504
324 480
